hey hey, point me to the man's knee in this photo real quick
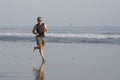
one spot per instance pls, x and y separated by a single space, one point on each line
40 46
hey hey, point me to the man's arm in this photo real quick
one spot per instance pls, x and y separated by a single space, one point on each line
46 29
34 31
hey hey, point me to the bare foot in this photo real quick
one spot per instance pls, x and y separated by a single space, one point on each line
34 49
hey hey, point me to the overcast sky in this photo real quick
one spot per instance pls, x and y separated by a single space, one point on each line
60 12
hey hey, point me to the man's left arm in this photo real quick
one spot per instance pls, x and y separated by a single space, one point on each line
46 29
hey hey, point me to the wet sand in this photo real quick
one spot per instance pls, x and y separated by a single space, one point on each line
64 61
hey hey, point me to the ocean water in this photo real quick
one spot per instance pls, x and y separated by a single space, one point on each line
66 34
64 60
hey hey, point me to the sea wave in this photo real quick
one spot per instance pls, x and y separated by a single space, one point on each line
84 35
64 37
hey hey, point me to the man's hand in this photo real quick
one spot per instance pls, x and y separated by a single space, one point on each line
36 34
45 33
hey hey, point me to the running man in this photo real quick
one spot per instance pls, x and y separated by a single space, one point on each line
40 30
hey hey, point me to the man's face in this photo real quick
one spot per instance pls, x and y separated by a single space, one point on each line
40 20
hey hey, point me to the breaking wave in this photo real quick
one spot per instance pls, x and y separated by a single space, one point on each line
64 37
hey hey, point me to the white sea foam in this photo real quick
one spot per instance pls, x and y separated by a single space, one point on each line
67 35
17 34
63 37
84 35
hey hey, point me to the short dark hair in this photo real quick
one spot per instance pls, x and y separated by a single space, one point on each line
38 18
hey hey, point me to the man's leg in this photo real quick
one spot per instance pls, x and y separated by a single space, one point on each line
37 42
41 52
36 47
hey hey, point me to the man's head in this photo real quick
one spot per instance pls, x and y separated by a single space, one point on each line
39 19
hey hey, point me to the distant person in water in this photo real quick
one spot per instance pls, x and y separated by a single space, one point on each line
40 30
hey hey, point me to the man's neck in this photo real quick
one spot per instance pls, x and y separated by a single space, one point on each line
40 23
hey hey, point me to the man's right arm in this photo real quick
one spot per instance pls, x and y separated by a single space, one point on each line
34 31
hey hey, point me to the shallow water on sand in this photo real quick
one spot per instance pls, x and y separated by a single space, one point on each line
65 61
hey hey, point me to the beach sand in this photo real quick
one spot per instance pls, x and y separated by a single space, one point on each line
64 61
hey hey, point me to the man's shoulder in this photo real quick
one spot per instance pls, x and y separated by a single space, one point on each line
43 24
36 25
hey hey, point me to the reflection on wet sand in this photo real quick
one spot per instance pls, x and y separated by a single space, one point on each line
39 73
